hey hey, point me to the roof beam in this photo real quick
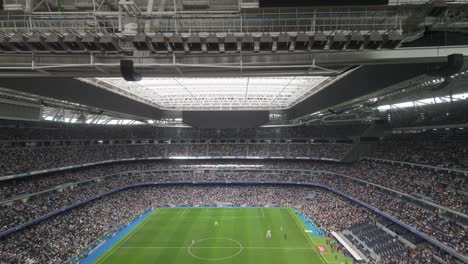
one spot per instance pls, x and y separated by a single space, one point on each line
280 64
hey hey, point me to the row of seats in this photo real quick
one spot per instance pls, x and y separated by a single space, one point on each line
382 243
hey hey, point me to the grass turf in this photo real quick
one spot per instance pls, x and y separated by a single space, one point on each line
189 235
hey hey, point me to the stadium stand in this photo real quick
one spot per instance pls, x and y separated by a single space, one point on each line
431 193
17 160
347 117
24 209
60 238
369 235
22 130
426 148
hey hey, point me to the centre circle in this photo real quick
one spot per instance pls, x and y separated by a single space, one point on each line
204 243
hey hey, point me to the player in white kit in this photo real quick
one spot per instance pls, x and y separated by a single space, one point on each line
216 224
268 233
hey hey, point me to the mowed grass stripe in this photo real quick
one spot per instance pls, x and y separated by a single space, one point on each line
239 238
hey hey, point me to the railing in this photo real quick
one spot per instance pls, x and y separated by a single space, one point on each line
299 22
39 172
322 20
413 198
62 23
449 170
272 171
165 141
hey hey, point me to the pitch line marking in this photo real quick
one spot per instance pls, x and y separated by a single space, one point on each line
272 248
131 235
215 238
138 228
183 212
223 217
306 236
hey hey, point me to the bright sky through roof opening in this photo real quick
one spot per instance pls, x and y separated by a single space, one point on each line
253 93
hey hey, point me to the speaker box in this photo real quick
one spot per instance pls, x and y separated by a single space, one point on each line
128 72
454 64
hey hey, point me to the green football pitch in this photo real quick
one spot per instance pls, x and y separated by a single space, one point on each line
190 235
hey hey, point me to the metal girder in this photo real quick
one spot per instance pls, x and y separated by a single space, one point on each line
204 42
212 65
420 89
58 110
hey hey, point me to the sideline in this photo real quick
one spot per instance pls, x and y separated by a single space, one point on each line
308 238
306 221
103 247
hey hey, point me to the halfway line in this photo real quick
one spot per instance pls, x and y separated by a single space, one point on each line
286 248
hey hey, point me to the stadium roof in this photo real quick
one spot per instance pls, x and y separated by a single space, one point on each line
243 93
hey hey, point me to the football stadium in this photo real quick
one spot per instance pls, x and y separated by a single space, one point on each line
233 132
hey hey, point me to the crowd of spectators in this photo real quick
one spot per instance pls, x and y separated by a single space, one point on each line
18 160
451 233
62 237
22 130
421 255
37 206
332 212
439 187
58 239
424 149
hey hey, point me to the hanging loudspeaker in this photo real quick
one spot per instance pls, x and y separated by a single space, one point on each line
128 72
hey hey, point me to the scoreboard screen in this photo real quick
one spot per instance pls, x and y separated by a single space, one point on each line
292 3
